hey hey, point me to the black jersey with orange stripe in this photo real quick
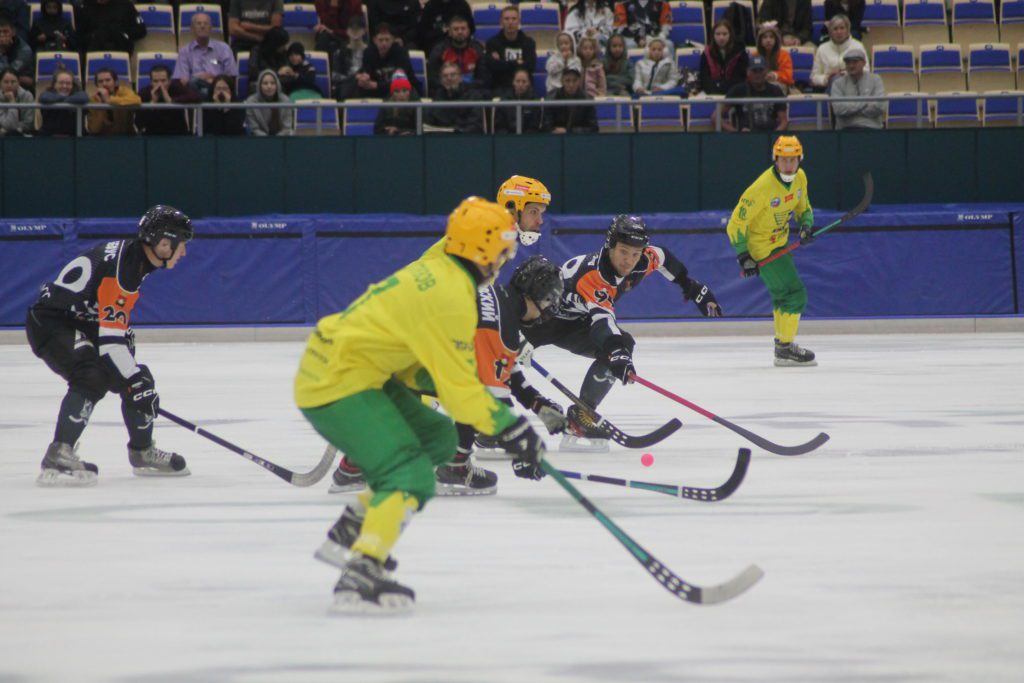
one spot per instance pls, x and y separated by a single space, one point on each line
497 342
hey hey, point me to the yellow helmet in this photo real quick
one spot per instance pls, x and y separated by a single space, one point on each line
518 191
787 146
481 231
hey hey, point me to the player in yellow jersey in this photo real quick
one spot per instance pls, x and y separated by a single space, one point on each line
759 227
410 332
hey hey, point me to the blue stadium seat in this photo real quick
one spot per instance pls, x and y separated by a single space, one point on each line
160 34
1004 111
48 62
185 13
321 61
614 114
299 20
542 21
146 61
903 111
242 84
419 68
805 112
882 19
305 118
359 121
660 113
118 61
36 11
803 62
701 112
988 67
487 18
688 59
896 65
958 113
941 68
924 22
687 22
974 21
1011 22
540 74
818 19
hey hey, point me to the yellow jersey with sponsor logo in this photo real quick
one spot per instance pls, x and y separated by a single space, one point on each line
416 326
760 222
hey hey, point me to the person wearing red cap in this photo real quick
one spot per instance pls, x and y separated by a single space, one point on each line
397 120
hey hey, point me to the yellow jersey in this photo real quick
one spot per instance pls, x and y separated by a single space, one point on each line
760 222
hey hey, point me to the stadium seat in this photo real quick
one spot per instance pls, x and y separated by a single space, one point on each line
146 61
882 19
542 21
118 61
660 113
1011 22
419 67
305 118
807 111
242 84
635 54
487 17
35 10
359 120
958 113
803 62
988 67
540 74
321 61
687 22
185 13
700 112
895 64
614 114
48 62
1020 66
1003 111
160 35
688 59
903 112
974 21
941 68
817 20
924 22
299 20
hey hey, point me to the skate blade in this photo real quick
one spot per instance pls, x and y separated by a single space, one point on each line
349 603
784 363
454 490
155 472
579 444
346 488
333 554
493 454
50 478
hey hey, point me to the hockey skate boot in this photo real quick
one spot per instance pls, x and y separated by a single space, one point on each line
583 434
791 355
335 550
365 587
61 467
346 478
463 478
153 462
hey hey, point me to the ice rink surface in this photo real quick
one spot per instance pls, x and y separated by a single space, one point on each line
893 553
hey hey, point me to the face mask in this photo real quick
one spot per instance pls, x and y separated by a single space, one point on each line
527 238
787 177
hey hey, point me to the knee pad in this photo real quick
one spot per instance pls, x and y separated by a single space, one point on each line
90 380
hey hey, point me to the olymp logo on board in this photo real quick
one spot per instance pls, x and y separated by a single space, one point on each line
268 225
25 227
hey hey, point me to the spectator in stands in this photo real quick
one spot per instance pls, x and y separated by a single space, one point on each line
828 59
117 121
298 77
61 121
591 19
163 89
394 120
204 58
858 82
761 116
508 50
852 9
271 53
532 120
15 121
109 26
780 64
453 89
436 19
594 82
223 121
249 21
559 60
724 61
575 118
639 21
458 47
264 121
402 18
19 13
381 62
793 18
16 54
52 32
656 74
347 60
333 20
618 70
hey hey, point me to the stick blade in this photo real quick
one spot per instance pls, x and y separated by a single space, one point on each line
645 440
734 587
318 472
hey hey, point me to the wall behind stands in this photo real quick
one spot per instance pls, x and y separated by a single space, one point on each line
588 174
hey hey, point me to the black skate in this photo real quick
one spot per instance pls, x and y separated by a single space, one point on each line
791 355
153 462
61 467
335 550
345 480
583 435
366 588
465 479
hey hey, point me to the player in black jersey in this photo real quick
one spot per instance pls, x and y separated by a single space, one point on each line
586 325
81 327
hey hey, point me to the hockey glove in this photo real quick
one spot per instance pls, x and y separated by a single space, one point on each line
620 363
704 298
142 394
748 264
526 448
806 234
550 413
525 354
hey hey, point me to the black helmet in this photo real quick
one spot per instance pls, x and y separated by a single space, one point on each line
539 280
629 230
161 222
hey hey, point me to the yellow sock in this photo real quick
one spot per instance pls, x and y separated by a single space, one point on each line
778 324
385 520
786 325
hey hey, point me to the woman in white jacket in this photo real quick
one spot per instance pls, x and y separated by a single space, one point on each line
655 73
590 19
828 60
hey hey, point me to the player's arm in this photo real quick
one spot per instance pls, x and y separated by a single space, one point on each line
743 217
803 212
548 411
665 262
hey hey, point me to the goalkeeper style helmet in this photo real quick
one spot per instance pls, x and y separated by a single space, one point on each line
165 222
518 191
482 232
629 230
539 280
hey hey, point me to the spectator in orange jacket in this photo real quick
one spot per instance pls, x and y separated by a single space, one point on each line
780 64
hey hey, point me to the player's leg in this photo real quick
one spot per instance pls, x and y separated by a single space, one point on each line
789 300
143 455
461 477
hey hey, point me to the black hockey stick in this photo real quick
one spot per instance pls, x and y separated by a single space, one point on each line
701 595
616 434
764 443
691 492
296 478
869 193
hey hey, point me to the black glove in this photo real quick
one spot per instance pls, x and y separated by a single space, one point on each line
526 448
807 234
142 392
704 298
748 264
620 363
550 413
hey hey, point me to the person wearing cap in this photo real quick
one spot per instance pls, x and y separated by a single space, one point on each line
397 120
858 82
298 74
760 116
573 118
828 59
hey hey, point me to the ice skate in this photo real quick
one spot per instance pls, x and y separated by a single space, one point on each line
583 436
346 479
365 587
488 448
62 467
153 462
335 550
465 479
791 355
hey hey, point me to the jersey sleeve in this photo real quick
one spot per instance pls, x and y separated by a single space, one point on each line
114 307
803 211
743 216
666 263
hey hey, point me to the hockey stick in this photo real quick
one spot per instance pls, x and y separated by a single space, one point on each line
704 495
748 435
616 434
701 595
296 478
869 191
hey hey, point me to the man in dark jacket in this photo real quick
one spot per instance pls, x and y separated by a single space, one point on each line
109 26
15 53
576 118
437 15
162 89
521 91
452 89
793 17
380 63
508 50
458 48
